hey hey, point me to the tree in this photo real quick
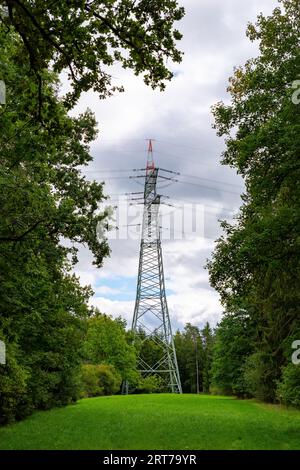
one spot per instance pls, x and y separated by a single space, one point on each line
255 265
288 391
190 354
47 207
233 345
43 194
106 343
150 384
87 37
97 380
44 200
207 341
13 386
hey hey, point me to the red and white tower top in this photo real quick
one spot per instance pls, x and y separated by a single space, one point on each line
150 161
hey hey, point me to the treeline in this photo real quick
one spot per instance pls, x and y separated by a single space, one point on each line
110 358
194 350
93 355
256 263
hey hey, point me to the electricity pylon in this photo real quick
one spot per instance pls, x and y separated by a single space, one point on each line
151 316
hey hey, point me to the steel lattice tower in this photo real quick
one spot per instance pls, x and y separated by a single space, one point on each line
151 315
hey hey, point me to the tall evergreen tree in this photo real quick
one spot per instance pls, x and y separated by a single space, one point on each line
189 350
207 341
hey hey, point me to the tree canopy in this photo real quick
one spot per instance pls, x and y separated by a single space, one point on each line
48 208
255 266
87 37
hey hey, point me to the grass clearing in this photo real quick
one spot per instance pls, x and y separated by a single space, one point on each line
158 421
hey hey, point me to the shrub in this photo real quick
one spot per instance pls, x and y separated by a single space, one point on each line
150 384
288 390
101 379
14 402
215 390
55 379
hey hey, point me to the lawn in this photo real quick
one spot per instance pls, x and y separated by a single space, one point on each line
157 422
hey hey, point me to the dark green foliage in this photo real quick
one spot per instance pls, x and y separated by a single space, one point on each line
47 206
106 343
150 384
43 199
189 350
207 342
258 376
97 380
288 390
85 38
151 350
194 349
15 402
256 264
233 344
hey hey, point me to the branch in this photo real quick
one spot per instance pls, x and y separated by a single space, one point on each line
46 36
19 238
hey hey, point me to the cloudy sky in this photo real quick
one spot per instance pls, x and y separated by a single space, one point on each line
180 121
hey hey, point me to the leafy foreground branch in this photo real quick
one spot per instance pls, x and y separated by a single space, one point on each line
87 37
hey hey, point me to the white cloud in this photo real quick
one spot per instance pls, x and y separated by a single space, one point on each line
106 290
114 307
180 119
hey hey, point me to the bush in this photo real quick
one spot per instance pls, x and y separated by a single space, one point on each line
215 390
101 379
150 384
14 402
55 380
288 390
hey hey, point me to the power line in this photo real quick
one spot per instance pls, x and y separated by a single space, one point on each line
213 206
162 169
198 149
119 170
212 180
167 155
182 158
211 188
113 177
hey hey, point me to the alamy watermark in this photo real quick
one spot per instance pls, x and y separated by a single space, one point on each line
2 92
296 354
296 94
3 14
130 222
2 353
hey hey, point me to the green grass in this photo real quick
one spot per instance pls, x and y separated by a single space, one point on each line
157 422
